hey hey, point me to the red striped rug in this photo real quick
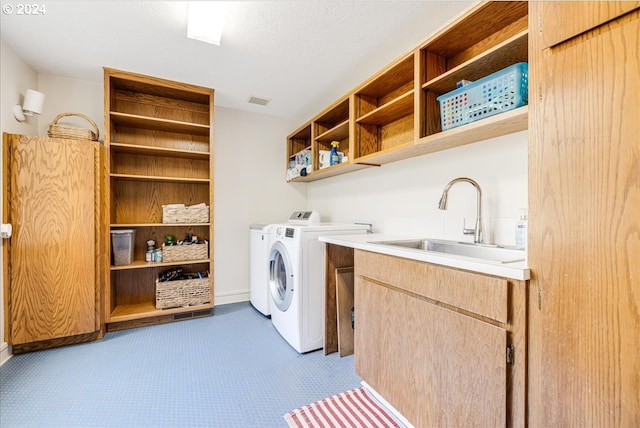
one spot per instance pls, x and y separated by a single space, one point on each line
353 409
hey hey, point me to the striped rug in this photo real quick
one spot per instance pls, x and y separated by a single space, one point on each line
352 409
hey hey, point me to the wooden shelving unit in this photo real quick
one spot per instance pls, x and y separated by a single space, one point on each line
384 109
395 114
159 137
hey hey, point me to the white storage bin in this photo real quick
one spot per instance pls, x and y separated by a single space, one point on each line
122 246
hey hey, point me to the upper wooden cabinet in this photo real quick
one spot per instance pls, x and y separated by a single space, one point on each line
395 114
159 136
558 21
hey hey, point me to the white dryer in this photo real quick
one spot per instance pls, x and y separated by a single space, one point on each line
260 237
297 280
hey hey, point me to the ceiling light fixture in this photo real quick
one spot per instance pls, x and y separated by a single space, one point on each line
205 20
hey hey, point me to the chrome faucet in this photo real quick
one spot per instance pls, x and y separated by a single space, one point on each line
477 232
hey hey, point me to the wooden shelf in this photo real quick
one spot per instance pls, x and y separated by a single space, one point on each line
132 177
339 132
140 264
509 52
130 225
385 156
330 171
157 124
138 311
389 112
491 127
157 151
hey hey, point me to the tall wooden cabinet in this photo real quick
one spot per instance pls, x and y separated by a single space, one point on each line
52 266
584 215
159 136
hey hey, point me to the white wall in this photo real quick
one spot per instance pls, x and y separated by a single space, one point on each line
402 197
71 96
15 78
250 187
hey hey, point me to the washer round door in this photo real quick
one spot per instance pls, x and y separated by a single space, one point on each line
280 276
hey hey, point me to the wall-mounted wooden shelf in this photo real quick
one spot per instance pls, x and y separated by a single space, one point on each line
395 115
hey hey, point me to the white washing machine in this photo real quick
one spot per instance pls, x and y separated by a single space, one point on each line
297 280
260 237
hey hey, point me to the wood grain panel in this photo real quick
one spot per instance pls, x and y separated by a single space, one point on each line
156 86
161 107
437 367
490 42
391 79
142 201
336 257
584 239
480 23
397 133
366 140
561 20
52 255
169 140
344 300
167 166
481 294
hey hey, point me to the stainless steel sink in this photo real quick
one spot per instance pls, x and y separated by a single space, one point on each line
477 251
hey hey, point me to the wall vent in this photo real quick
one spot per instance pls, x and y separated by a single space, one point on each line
259 101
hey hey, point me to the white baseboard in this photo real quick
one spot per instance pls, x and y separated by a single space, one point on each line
5 353
231 297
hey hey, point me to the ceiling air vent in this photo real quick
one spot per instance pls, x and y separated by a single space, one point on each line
259 101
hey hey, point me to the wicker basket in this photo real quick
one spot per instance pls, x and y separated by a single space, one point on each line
187 292
185 214
179 253
59 131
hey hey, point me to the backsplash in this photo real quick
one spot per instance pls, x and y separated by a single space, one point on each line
402 197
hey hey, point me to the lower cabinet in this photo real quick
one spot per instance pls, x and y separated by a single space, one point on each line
445 347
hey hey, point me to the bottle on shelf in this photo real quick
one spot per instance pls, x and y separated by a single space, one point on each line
334 158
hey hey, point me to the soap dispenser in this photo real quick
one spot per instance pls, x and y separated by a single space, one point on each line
521 230
334 159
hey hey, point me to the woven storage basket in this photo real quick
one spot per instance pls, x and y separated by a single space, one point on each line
179 253
187 292
59 131
185 215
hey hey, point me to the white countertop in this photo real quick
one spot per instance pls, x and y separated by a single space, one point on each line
517 270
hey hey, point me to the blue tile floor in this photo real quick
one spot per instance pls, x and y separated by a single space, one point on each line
229 370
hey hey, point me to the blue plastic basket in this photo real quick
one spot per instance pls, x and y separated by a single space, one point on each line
501 91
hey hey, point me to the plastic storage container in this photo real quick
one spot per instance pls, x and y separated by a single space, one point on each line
122 246
496 93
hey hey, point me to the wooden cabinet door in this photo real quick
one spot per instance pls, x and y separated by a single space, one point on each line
50 196
584 228
439 368
561 20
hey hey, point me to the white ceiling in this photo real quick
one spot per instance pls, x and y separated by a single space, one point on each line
303 55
